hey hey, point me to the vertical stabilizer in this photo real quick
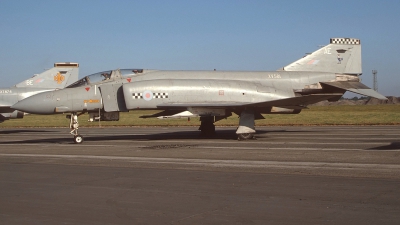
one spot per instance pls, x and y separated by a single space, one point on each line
60 76
342 55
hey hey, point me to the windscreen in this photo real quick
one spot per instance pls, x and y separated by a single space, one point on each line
92 79
130 72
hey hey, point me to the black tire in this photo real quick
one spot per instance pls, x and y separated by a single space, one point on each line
78 139
207 129
245 136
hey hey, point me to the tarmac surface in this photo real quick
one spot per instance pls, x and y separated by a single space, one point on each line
171 175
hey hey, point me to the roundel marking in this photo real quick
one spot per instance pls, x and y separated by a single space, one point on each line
147 95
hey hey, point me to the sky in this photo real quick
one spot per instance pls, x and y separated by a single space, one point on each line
245 35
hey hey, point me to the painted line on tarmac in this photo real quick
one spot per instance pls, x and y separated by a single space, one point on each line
221 163
260 141
388 137
328 134
194 145
329 138
269 133
294 149
257 142
56 145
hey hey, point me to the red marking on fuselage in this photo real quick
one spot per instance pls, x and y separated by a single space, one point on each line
128 79
87 88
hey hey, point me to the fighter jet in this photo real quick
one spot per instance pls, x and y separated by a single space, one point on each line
325 74
58 77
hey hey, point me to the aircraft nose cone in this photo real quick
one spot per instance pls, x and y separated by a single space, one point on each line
41 103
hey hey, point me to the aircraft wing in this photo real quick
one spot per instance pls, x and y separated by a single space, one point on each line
296 102
203 104
291 103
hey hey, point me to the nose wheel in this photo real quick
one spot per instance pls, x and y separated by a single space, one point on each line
78 139
74 125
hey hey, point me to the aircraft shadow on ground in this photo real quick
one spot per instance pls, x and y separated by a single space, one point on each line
225 134
188 135
391 146
23 131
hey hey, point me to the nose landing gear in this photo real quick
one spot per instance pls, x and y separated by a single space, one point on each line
78 139
74 125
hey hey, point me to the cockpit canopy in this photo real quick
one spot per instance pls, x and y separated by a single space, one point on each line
105 76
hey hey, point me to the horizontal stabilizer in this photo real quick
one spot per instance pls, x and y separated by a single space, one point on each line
355 87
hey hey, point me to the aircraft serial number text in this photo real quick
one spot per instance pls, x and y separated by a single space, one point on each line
5 91
274 76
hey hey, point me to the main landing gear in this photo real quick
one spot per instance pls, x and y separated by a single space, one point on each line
74 128
207 126
246 128
207 129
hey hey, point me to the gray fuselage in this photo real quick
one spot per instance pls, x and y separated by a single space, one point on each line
218 88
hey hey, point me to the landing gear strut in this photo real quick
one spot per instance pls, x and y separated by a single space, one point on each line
246 128
74 128
207 126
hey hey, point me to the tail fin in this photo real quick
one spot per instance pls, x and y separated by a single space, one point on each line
342 55
60 76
